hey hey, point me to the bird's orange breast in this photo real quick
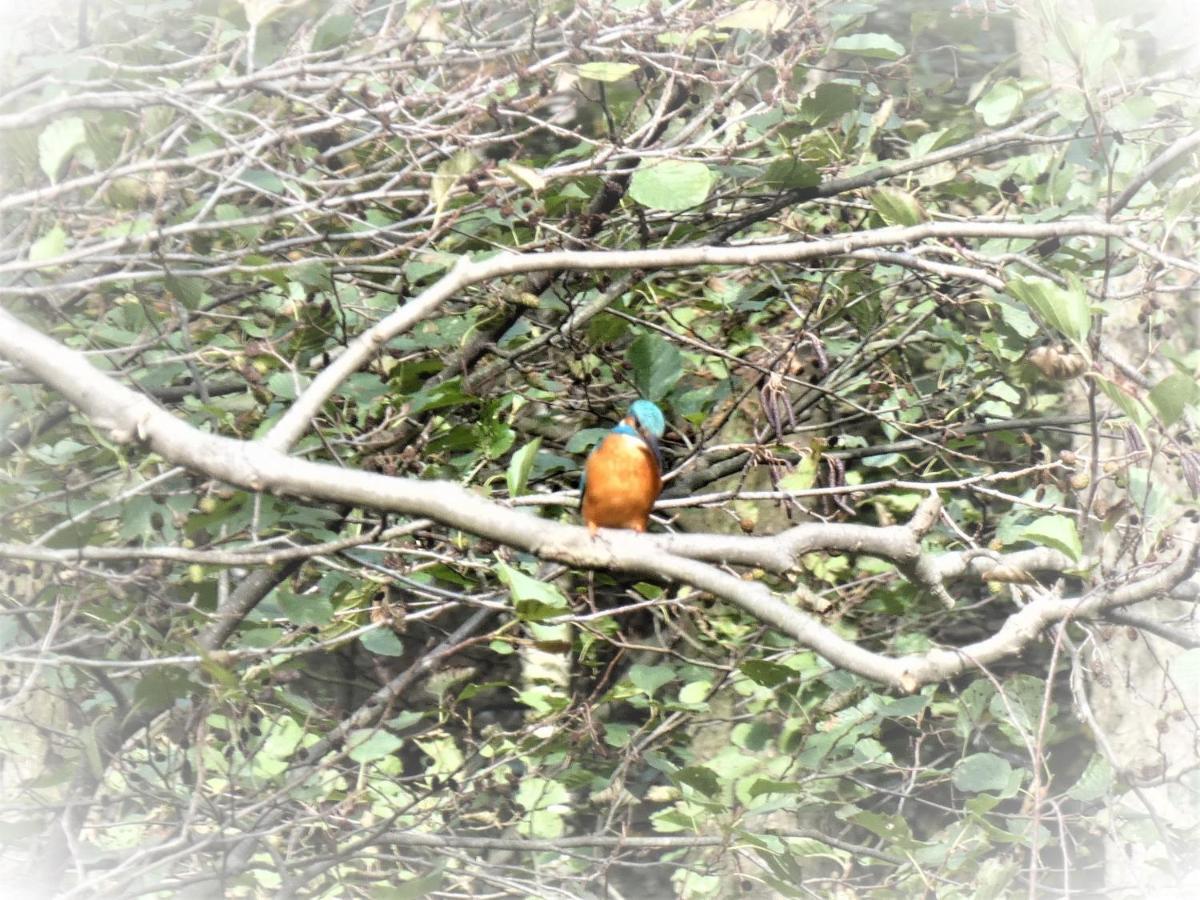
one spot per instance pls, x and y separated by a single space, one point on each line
622 484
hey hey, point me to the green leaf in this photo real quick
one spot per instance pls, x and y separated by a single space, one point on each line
333 31
447 175
369 744
383 642
1128 404
897 207
649 679
188 291
1095 782
1000 103
57 142
520 466
695 692
448 393
51 244
1004 391
606 71
805 473
1057 532
875 46
1174 394
767 674
541 793
1066 310
657 365
305 609
790 172
830 100
670 184
755 15
533 600
982 772
162 687
698 778
903 707
413 889
768 786
524 175
1018 706
283 738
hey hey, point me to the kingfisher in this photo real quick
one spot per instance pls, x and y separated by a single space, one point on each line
623 475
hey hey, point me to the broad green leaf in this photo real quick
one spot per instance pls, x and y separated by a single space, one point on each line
57 142
698 778
1063 309
1128 405
618 734
51 244
1096 780
756 15
258 11
897 207
1057 532
982 772
657 365
447 175
162 687
1004 391
520 466
369 744
284 737
383 642
1018 706
188 291
445 754
448 393
805 473
305 609
903 707
413 889
534 600
261 638
541 793
1018 320
1000 103
523 174
606 71
767 786
1132 113
875 46
765 673
695 692
790 172
830 100
994 878
1173 395
892 828
650 678
543 824
670 184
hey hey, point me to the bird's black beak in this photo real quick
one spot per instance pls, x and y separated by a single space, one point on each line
652 443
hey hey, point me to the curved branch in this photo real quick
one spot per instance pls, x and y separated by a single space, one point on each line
466 272
130 416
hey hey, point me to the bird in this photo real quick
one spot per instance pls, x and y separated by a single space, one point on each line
623 475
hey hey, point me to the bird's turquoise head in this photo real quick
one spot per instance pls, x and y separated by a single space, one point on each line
647 418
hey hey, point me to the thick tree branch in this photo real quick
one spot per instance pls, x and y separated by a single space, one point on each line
129 417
